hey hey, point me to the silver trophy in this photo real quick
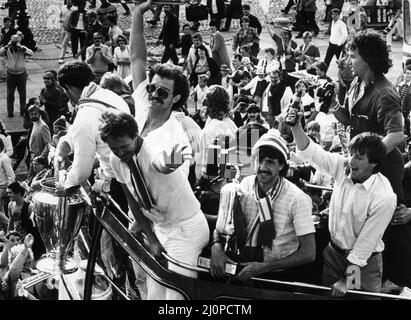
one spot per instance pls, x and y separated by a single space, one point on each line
229 199
58 220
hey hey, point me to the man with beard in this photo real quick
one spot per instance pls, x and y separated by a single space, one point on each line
277 219
170 35
361 208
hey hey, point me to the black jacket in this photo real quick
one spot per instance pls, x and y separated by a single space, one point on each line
220 8
6 36
73 19
170 34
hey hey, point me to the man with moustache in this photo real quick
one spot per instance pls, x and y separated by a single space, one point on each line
282 234
161 100
361 208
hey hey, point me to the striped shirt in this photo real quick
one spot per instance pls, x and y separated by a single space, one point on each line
292 217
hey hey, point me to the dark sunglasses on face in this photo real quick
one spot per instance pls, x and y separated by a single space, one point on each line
162 93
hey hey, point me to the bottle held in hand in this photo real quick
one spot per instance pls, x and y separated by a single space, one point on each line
292 113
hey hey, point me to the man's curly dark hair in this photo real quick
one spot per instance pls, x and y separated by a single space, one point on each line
373 49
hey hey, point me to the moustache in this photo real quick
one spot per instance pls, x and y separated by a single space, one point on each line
152 99
264 172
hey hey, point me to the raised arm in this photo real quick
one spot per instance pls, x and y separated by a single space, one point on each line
138 47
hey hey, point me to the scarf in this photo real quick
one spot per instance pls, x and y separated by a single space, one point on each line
263 230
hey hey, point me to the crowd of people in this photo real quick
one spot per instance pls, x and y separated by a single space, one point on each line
150 129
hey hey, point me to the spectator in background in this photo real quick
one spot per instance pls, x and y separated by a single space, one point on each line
310 54
21 217
15 56
6 138
170 36
114 32
186 41
65 13
39 136
7 31
116 84
200 91
246 52
269 62
404 91
53 97
98 56
216 9
77 25
106 10
217 45
286 46
338 37
7 175
345 75
234 11
192 54
247 36
254 116
309 9
254 21
121 57
204 64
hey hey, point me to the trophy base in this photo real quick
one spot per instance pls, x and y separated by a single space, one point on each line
56 267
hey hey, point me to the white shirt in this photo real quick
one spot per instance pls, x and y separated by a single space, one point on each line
84 137
8 146
200 92
326 121
7 175
80 23
359 213
169 192
339 33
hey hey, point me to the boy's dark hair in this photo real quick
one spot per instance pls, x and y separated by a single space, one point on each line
75 73
181 84
117 124
371 145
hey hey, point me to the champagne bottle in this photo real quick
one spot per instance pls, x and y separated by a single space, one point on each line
292 113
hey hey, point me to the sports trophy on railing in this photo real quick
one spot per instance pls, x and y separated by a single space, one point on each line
58 220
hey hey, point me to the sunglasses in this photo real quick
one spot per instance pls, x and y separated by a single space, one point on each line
162 93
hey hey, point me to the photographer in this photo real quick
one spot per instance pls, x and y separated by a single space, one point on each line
15 56
98 56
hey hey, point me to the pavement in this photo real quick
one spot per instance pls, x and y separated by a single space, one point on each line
47 34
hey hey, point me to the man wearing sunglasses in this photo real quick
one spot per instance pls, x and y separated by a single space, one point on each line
158 111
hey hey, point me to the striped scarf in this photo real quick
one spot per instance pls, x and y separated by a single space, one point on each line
263 230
